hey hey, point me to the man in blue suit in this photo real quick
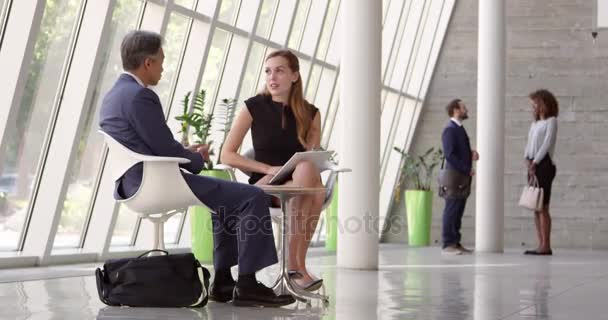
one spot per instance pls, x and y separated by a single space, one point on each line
459 157
132 114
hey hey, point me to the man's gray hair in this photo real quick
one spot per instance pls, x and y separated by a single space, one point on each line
138 45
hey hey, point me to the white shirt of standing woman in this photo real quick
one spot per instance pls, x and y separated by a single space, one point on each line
541 139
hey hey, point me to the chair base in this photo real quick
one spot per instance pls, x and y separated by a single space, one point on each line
159 219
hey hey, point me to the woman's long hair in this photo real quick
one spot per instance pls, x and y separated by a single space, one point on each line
548 106
300 107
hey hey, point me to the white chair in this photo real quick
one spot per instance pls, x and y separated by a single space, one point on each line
163 191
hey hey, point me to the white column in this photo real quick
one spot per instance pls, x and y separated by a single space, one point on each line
360 133
489 205
602 14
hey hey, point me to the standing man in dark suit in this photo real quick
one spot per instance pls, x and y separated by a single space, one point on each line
459 157
132 114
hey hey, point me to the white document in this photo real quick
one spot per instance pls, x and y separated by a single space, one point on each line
317 157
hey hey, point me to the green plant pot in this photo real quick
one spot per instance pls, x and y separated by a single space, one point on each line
419 207
200 224
331 214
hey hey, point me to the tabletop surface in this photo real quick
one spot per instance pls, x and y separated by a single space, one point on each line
290 189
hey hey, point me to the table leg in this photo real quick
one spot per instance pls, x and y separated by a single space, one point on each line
283 284
279 287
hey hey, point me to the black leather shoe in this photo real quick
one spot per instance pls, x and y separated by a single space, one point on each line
221 292
259 295
539 253
543 253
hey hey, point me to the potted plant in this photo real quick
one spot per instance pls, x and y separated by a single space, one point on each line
197 120
416 176
224 115
202 125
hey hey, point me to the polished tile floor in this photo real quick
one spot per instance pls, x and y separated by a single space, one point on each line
411 283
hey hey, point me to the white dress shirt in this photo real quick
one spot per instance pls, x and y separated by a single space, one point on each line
456 121
141 83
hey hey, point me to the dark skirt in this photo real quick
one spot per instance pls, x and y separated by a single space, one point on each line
545 173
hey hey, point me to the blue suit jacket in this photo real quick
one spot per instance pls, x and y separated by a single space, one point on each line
133 115
457 148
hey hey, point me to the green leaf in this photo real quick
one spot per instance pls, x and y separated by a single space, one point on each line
417 170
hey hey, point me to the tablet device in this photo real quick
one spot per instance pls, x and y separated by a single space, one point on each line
317 157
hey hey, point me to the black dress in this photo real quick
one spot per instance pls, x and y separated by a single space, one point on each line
273 132
545 173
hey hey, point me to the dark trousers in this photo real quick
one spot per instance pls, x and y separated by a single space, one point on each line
242 228
452 221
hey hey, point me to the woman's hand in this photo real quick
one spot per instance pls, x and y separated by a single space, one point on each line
272 170
531 168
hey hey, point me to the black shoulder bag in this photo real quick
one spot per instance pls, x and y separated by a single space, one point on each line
169 280
453 184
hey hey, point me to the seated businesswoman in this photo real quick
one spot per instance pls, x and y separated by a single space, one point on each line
282 123
540 161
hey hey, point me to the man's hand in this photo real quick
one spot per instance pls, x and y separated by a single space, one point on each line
472 172
474 155
203 149
193 147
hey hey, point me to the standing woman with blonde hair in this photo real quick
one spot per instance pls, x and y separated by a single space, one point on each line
540 161
282 123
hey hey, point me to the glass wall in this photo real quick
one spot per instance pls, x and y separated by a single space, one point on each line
24 154
215 46
84 173
4 4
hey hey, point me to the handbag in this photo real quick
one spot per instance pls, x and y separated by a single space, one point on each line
532 195
453 184
169 280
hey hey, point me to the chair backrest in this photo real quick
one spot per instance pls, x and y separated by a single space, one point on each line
120 158
162 188
330 182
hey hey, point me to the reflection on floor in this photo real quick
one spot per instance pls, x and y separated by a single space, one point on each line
411 283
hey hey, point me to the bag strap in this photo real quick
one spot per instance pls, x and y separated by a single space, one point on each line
204 298
533 181
126 265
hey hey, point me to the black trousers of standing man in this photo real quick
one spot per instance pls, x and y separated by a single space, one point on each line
452 221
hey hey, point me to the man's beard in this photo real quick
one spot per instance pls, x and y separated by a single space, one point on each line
464 116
